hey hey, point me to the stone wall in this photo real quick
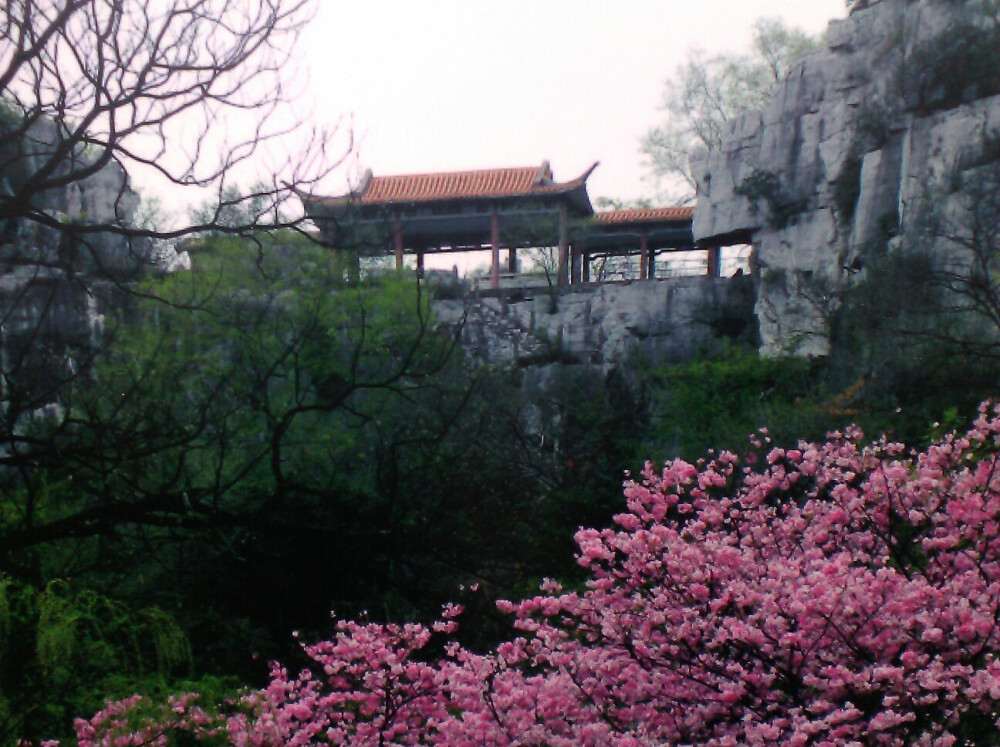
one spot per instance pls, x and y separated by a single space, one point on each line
667 320
839 162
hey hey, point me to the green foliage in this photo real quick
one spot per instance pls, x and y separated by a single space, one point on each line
319 447
233 209
872 127
703 94
249 418
893 331
779 47
12 124
782 207
63 651
258 418
716 404
895 366
614 203
730 317
847 187
11 115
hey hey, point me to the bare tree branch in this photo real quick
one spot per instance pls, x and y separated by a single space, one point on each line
152 87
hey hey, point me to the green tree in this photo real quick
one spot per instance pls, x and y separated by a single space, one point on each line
234 428
66 650
97 94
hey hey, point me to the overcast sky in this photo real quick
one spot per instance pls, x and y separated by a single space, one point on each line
444 85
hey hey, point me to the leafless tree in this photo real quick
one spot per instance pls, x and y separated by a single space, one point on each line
704 94
153 87
100 95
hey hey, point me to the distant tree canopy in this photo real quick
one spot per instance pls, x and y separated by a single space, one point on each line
705 93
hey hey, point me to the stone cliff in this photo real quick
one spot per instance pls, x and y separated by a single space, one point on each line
668 320
102 198
900 103
57 287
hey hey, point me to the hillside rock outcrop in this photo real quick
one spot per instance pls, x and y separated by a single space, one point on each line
104 198
903 99
57 287
665 321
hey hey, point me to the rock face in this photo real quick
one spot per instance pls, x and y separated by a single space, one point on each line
667 320
103 198
56 287
860 136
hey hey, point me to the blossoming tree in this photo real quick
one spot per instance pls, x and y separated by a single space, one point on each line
837 593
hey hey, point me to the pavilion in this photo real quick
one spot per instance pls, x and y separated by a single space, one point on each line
497 210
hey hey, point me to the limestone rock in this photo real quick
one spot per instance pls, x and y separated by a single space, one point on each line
855 137
103 198
666 320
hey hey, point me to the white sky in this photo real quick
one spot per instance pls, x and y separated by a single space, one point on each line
444 85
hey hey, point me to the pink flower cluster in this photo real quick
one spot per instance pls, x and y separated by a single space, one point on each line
830 594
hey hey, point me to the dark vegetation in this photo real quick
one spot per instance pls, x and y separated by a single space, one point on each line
254 448
871 133
264 450
961 64
257 442
898 364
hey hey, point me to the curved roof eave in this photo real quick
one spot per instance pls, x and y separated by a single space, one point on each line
489 184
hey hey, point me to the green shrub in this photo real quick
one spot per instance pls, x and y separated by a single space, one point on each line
718 403
846 187
782 207
65 651
960 64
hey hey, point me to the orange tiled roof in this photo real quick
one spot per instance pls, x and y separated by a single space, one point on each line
644 215
505 182
486 183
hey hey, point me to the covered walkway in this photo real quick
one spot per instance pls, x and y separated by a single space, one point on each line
500 211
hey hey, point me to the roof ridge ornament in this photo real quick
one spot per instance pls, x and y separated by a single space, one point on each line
544 177
366 180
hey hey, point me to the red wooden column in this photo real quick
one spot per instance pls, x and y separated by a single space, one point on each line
495 244
398 236
512 261
644 256
563 246
714 262
586 267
